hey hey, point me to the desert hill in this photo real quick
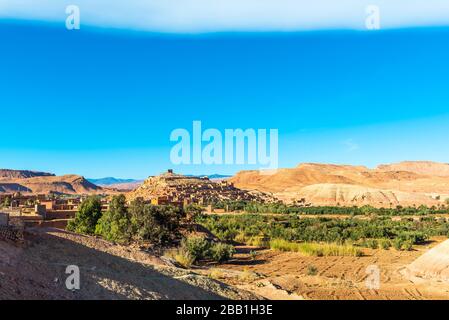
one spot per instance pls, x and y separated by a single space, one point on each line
419 167
179 187
22 174
406 183
46 183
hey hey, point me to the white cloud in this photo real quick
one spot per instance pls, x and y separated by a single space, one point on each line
232 15
350 145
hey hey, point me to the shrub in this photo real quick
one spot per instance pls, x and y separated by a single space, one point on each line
157 224
87 216
397 243
416 237
312 270
193 211
197 247
372 243
200 249
181 256
407 245
221 252
385 244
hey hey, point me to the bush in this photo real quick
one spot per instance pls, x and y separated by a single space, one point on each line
200 249
87 216
415 237
221 252
193 211
397 243
115 224
197 247
181 256
372 243
407 245
385 244
157 224
312 270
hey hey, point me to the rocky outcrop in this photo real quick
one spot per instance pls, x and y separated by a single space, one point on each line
68 184
22 174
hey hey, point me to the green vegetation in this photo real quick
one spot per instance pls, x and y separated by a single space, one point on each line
194 249
87 217
316 249
255 207
123 224
181 256
6 202
156 224
385 244
115 224
312 270
373 232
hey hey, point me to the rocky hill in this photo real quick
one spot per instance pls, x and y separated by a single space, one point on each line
405 183
47 183
22 174
419 167
179 187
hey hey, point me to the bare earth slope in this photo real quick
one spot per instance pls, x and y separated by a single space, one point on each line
406 183
419 167
22 174
432 265
107 271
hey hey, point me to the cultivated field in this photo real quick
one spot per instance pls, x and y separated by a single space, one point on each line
291 275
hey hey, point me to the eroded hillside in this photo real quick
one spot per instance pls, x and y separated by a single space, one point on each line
406 183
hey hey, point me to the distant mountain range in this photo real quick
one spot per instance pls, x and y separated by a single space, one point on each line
110 181
210 176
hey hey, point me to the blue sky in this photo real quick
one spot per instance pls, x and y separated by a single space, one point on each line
102 102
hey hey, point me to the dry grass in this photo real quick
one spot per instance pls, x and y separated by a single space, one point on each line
254 241
315 249
216 274
180 256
